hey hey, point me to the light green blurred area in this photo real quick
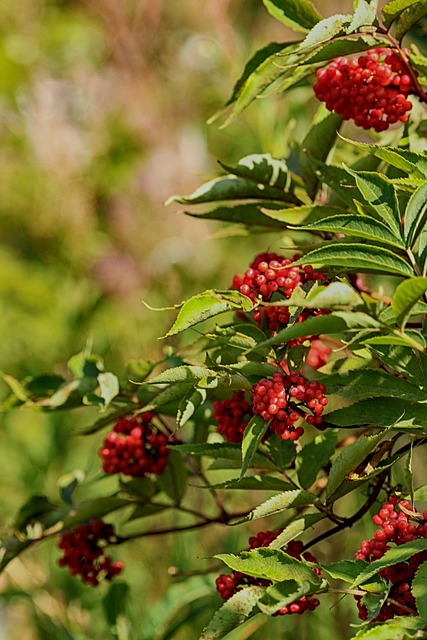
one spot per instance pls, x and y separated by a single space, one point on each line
103 110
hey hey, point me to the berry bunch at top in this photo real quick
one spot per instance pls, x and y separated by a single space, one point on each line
398 523
135 447
372 89
232 416
285 399
228 584
84 552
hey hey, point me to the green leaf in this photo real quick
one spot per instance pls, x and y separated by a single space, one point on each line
140 487
380 193
292 531
254 483
336 322
415 215
336 294
225 450
304 215
281 502
318 143
247 214
109 387
389 412
232 613
346 570
345 47
405 297
365 14
348 460
419 590
408 161
313 456
170 395
16 387
252 437
391 557
284 593
114 602
399 628
173 480
270 564
189 404
183 373
300 15
357 385
139 370
208 305
85 364
262 168
409 17
358 226
33 510
357 257
95 508
393 9
327 29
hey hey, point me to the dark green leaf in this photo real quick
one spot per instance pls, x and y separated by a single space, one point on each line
224 450
139 370
391 557
114 602
357 257
300 15
248 214
346 570
409 17
33 511
255 483
385 413
317 144
408 161
358 226
173 480
345 47
393 9
252 438
348 460
357 385
313 456
419 590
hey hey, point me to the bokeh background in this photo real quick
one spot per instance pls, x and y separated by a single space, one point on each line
103 111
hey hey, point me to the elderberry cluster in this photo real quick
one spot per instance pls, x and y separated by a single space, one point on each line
84 552
399 524
228 584
372 89
135 447
232 416
285 399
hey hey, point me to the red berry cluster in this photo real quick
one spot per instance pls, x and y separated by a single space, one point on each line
228 585
269 273
84 552
372 90
399 524
135 447
318 354
287 398
232 416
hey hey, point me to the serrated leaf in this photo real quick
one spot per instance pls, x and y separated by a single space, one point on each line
391 557
326 29
348 460
252 437
318 143
183 373
419 590
365 14
313 456
189 404
380 193
254 483
357 226
357 385
232 613
409 17
389 412
336 322
282 502
292 531
346 570
247 214
357 257
346 47
405 297
304 215
207 305
399 628
415 215
262 168
408 161
270 564
300 15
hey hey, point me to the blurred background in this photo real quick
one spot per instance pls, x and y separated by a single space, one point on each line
103 110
